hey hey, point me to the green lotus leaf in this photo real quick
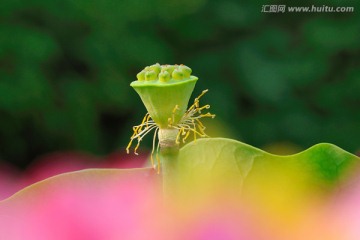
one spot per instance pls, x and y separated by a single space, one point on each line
86 179
218 163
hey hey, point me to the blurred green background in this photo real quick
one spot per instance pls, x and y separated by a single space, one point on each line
66 66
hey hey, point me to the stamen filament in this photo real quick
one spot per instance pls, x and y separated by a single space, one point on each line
189 123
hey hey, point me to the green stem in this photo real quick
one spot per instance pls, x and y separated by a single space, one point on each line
169 151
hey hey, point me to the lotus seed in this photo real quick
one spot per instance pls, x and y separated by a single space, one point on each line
177 74
150 75
185 70
141 76
168 68
156 68
164 76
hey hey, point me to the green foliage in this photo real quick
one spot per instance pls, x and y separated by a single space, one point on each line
65 69
214 161
215 165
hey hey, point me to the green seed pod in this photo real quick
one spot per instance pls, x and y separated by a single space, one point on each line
177 74
156 68
150 75
185 70
164 76
165 99
141 76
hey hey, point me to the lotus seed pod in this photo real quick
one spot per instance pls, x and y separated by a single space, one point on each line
164 76
167 97
185 70
177 74
156 68
150 75
141 76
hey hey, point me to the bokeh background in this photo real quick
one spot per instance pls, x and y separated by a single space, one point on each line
281 79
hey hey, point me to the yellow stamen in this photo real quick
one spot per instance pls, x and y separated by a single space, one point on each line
189 123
